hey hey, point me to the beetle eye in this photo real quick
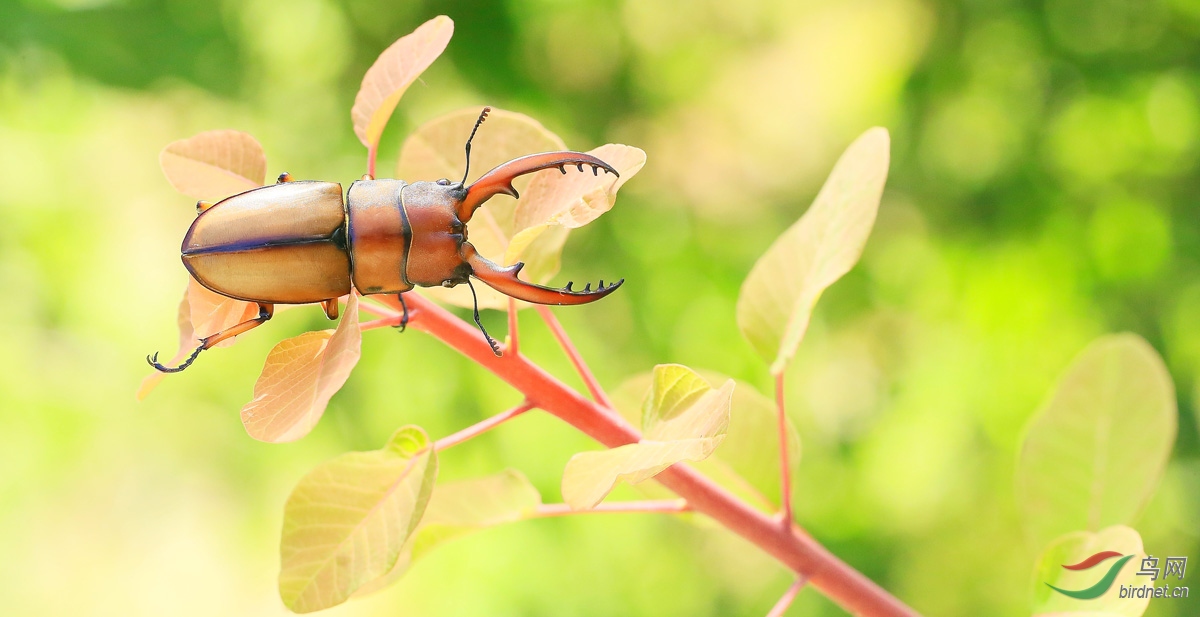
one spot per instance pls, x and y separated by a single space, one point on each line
443 182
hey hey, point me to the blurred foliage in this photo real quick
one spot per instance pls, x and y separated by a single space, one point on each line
1041 193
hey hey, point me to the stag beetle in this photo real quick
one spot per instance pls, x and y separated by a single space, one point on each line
296 242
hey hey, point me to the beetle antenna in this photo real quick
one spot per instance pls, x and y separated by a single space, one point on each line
482 117
491 341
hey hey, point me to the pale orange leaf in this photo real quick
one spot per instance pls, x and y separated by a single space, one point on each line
571 200
395 69
301 374
210 312
201 313
214 164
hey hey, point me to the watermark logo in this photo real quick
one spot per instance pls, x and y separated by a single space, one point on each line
1102 585
1172 566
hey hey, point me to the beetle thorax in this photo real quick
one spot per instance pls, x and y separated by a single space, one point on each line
437 234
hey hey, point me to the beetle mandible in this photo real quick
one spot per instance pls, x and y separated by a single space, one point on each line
297 242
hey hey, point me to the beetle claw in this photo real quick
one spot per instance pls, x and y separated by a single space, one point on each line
505 281
153 361
499 180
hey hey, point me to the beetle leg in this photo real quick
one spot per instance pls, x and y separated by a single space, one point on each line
265 311
505 281
331 308
491 341
403 318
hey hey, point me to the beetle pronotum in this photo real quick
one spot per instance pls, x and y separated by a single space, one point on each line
297 242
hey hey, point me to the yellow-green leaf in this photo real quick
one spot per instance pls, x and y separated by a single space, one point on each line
1093 454
684 419
778 296
1072 549
214 164
301 374
435 150
459 508
391 74
747 463
346 522
570 201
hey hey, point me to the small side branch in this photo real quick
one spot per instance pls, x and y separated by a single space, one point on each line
383 322
669 506
785 468
512 347
589 379
782 605
379 309
481 427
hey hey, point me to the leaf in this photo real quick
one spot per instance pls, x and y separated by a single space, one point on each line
778 296
684 419
571 200
1073 549
462 507
210 312
1093 454
346 521
435 150
301 374
391 74
201 313
747 463
214 164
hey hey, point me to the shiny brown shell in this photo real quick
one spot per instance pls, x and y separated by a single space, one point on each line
278 244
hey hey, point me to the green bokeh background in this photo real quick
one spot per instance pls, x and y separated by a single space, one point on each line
1043 192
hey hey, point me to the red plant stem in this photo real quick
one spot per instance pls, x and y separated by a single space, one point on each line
512 346
382 311
793 548
785 470
382 322
589 379
782 605
668 506
481 427
372 153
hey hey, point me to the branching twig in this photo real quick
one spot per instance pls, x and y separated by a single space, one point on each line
791 546
382 322
785 469
788 596
512 347
589 380
481 427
